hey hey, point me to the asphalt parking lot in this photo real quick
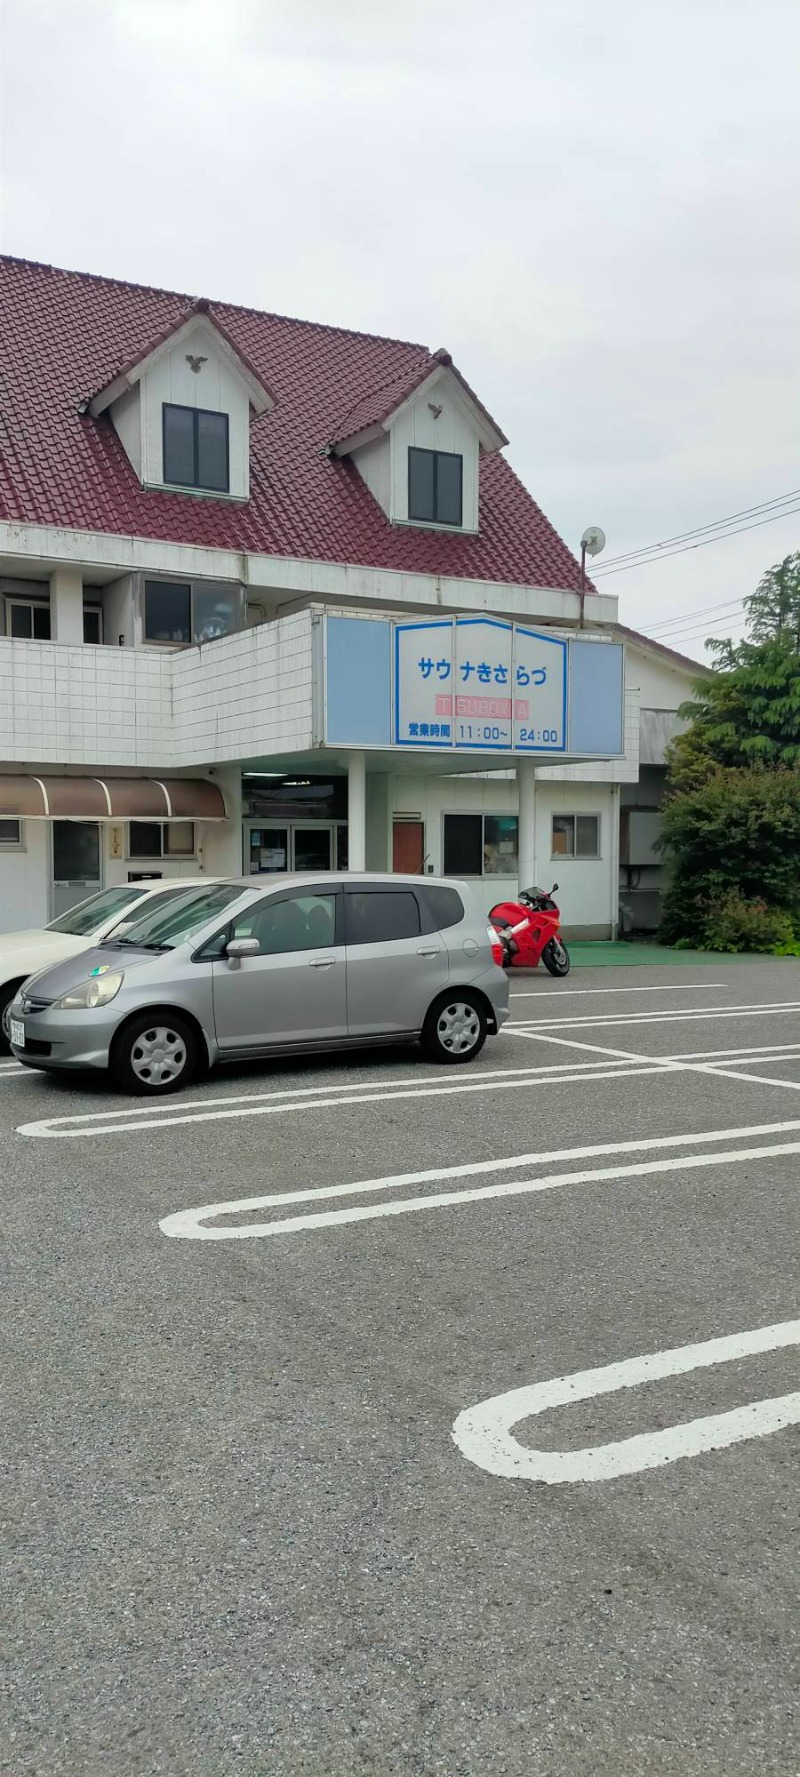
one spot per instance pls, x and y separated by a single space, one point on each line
270 1509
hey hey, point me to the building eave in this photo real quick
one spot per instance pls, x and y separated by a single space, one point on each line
197 318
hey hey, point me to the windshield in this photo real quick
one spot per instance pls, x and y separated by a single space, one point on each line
161 928
88 915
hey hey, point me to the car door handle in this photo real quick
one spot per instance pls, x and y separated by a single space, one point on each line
433 950
322 962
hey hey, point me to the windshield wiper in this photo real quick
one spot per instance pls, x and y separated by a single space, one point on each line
131 944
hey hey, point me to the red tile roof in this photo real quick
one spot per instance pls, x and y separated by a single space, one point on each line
202 308
373 408
66 335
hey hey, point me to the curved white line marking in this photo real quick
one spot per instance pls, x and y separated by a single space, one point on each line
483 1433
191 1224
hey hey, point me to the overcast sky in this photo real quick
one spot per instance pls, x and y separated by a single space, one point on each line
594 207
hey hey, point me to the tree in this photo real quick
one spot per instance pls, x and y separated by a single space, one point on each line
748 713
734 847
773 610
731 828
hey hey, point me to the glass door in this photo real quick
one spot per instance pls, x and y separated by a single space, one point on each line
312 846
270 849
76 864
266 849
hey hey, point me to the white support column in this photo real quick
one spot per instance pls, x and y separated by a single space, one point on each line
220 843
614 851
66 605
357 811
526 788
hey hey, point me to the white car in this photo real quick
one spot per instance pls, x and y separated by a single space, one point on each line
25 953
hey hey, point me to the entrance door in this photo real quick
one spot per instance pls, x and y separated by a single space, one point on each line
266 849
312 846
272 848
76 863
408 847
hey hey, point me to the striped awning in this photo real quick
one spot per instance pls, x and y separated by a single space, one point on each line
30 798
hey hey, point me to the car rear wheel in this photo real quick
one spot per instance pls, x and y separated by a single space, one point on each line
455 1028
155 1054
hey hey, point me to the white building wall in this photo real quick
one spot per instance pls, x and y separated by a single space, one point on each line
604 771
214 387
158 709
586 887
661 686
373 462
78 706
24 880
453 430
126 417
587 896
248 695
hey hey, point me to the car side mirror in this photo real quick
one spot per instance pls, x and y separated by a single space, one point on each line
236 948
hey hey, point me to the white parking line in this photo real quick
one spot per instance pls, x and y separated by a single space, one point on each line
617 1064
692 1013
191 1224
55 1128
669 1064
484 1433
562 993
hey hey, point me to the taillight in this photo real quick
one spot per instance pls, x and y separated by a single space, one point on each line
498 952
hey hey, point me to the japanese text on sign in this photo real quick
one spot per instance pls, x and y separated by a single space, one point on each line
479 684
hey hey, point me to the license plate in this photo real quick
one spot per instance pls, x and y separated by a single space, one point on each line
17 1032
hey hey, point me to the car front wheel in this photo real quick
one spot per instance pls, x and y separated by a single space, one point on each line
455 1028
155 1054
7 996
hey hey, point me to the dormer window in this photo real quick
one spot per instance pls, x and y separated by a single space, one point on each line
435 486
181 408
196 452
418 442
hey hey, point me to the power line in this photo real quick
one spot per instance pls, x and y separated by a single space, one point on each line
696 635
703 544
691 639
704 611
700 530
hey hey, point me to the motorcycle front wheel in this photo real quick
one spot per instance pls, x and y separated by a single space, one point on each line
555 957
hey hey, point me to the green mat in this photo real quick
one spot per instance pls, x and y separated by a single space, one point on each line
608 955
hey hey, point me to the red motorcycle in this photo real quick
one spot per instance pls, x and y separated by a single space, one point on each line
528 930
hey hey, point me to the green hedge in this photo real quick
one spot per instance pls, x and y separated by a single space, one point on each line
733 849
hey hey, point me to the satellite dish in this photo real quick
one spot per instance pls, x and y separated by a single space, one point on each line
593 540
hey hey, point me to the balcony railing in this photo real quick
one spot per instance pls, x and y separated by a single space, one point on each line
240 697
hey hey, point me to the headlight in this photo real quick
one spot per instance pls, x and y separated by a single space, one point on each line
97 991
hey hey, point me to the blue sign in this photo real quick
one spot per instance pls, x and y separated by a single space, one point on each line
479 684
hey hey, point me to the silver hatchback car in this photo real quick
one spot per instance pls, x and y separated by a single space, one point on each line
231 971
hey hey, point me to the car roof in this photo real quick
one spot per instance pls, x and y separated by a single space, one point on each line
171 882
384 878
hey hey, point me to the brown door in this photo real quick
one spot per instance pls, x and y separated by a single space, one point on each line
408 847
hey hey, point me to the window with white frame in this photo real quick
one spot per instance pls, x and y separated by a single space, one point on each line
481 845
28 620
576 836
196 448
10 833
161 839
179 612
